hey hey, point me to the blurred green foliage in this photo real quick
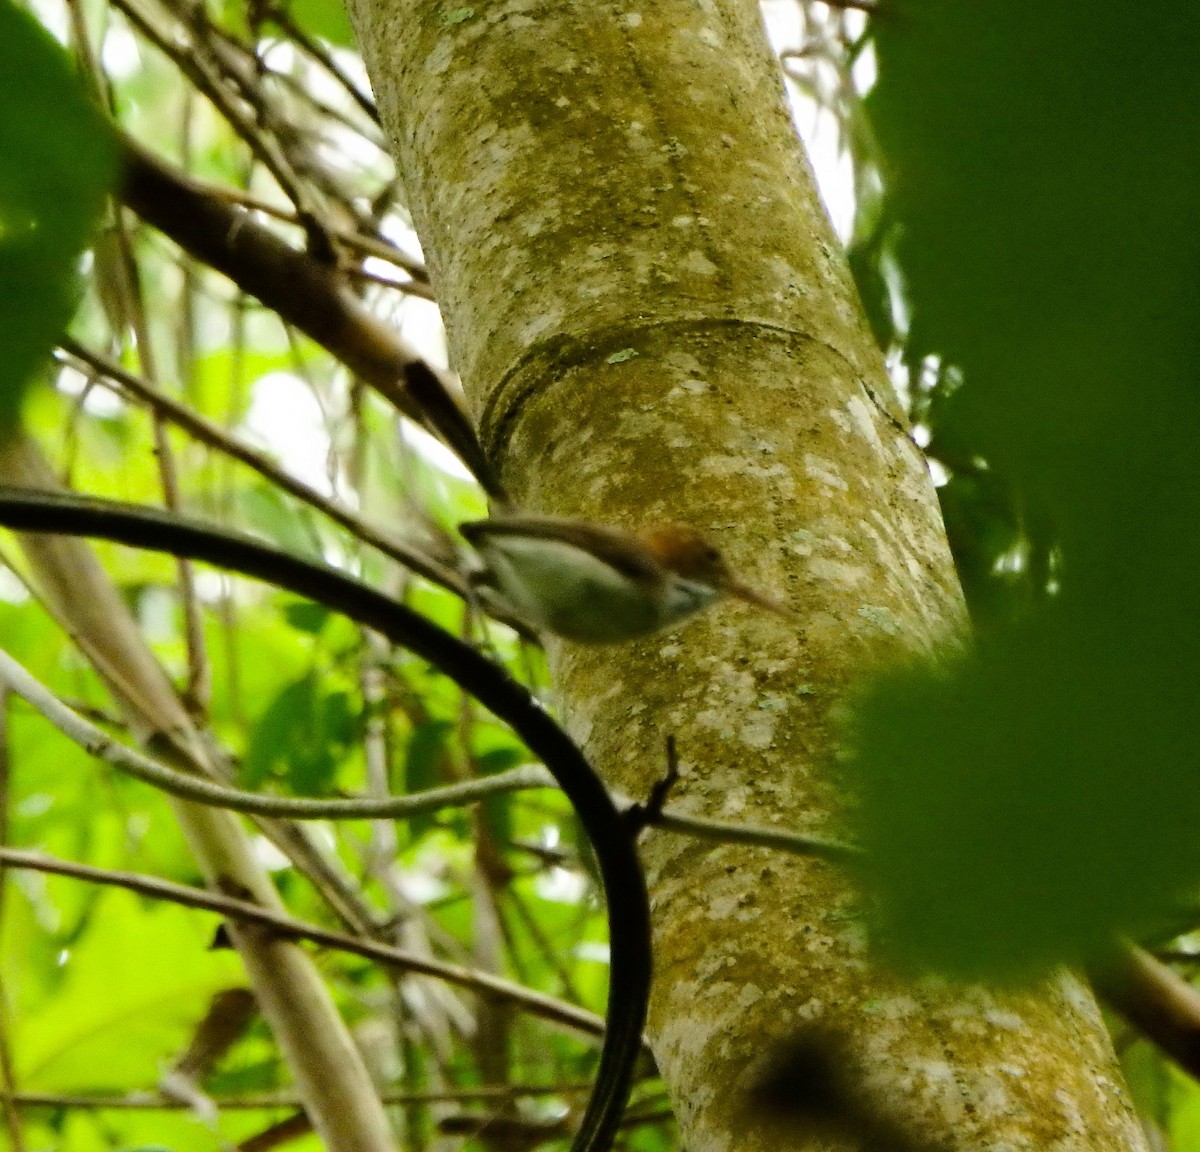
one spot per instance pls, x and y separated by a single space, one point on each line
324 18
57 162
1041 166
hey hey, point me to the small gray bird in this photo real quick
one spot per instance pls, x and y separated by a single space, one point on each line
598 584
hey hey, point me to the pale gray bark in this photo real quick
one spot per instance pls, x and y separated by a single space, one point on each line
653 320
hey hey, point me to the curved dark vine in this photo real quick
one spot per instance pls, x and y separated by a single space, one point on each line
621 875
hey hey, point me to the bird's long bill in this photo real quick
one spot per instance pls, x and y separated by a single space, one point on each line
752 596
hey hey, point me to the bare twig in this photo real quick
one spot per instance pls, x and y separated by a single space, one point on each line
385 250
280 1133
279 15
98 743
207 432
298 1007
288 927
199 683
243 67
408 287
1158 1002
437 1011
837 851
550 956
195 63
8 1082
367 245
264 1101
8 1076
305 293
292 841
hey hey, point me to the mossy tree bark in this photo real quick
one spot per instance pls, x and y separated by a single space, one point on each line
653 320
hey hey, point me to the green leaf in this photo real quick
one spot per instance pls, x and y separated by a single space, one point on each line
426 747
306 616
304 732
264 507
324 18
135 983
1043 203
57 162
422 766
501 759
1044 213
1020 808
1183 1100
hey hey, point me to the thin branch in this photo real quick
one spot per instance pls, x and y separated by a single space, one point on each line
281 17
628 910
760 836
207 432
288 927
1158 1002
199 683
96 742
246 70
278 1134
437 1011
8 1074
312 1037
624 886
550 956
265 1101
504 1131
192 59
305 293
291 840
197 695
368 245
389 252
407 287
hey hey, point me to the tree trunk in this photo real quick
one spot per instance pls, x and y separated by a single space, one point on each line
653 320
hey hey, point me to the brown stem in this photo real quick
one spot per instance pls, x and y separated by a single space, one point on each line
1160 1004
305 293
207 432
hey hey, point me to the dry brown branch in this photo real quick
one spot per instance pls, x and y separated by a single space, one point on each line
284 927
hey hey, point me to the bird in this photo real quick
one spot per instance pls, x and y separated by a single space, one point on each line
599 584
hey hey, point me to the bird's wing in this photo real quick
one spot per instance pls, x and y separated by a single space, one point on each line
619 548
